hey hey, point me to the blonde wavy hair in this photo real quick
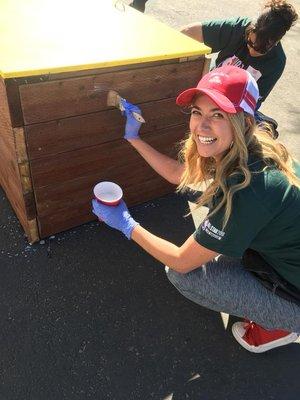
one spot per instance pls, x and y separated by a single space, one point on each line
248 138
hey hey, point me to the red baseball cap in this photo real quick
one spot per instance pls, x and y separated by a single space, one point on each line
233 89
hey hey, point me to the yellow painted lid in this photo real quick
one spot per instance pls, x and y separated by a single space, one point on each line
51 36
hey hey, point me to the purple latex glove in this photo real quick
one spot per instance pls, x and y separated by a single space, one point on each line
116 217
132 126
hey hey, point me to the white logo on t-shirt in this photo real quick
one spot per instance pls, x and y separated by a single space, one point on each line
235 61
208 228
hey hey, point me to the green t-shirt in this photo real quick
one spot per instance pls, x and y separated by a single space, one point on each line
265 217
228 38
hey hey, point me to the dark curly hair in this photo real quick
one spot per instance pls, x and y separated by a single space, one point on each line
272 24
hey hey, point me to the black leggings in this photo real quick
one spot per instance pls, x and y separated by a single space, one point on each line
139 5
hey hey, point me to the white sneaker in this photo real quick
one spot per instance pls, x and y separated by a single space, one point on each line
256 339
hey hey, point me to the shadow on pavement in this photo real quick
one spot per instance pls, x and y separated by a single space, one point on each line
89 315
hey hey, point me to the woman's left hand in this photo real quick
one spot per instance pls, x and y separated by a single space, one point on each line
117 217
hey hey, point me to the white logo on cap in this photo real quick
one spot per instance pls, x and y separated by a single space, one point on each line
215 79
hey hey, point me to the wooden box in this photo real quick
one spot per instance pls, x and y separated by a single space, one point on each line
58 137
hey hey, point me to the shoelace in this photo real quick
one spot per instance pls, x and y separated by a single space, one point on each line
252 335
256 335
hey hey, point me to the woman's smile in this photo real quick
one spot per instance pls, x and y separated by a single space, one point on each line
210 127
206 139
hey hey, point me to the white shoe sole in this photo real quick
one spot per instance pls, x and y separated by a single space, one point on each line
238 332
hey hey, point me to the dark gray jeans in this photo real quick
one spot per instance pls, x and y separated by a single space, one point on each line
224 285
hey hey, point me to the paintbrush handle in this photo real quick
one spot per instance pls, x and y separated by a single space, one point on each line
138 117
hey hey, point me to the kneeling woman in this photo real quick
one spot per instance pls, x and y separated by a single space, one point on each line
244 259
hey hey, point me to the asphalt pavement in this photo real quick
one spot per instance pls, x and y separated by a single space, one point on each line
87 314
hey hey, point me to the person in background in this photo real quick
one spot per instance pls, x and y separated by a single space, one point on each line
139 5
244 259
254 45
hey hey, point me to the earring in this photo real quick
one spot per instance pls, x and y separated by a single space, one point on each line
231 145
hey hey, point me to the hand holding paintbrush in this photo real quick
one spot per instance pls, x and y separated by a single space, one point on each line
133 115
115 100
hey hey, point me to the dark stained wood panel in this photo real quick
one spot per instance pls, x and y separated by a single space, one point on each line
58 138
73 133
74 192
24 172
13 97
96 71
10 180
6 131
117 155
53 100
65 201
10 177
80 213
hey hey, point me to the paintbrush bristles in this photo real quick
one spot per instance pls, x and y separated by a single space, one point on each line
113 99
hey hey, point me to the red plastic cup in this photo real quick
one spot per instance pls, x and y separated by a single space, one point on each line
108 193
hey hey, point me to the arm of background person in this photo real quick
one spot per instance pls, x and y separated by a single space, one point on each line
219 34
165 166
183 259
194 31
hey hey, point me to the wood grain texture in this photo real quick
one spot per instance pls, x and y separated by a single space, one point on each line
58 138
9 168
74 215
73 133
76 96
24 172
12 84
93 71
107 157
14 103
63 197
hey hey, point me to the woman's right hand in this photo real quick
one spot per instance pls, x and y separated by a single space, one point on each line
132 126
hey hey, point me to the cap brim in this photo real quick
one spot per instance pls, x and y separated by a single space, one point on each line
185 99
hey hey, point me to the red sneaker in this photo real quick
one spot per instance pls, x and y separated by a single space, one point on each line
256 339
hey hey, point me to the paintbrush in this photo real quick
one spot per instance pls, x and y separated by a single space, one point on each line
114 100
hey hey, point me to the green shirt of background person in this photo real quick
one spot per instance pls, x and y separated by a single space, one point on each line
253 45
